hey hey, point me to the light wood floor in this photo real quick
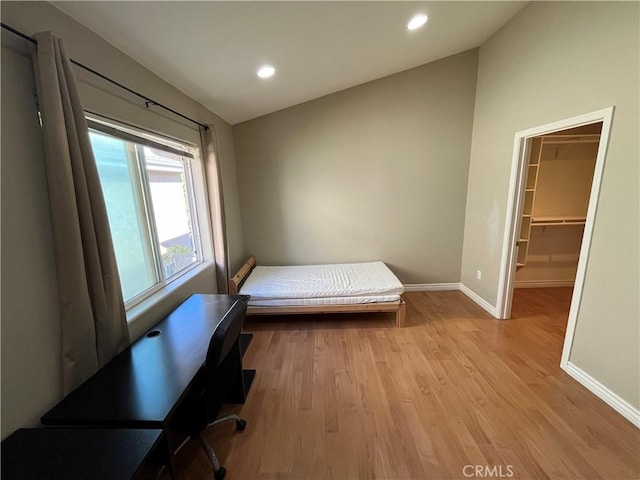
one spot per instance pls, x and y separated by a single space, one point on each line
350 397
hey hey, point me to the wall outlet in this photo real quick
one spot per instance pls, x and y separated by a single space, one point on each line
478 274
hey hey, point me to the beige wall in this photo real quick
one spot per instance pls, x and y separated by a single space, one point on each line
555 60
30 330
375 172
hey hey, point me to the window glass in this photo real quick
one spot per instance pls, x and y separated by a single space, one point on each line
168 188
129 230
149 198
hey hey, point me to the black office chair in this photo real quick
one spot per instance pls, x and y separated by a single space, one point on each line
214 384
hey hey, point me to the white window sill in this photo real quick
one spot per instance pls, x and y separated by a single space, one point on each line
152 309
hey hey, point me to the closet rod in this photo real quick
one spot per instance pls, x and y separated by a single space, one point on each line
148 101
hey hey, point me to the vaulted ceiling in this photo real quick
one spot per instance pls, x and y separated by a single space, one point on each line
212 50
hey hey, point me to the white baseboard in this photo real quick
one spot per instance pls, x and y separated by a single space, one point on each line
620 405
543 283
479 300
430 287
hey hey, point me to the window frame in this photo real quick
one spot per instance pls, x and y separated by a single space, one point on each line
189 152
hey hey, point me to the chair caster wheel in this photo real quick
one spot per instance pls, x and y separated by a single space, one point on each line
220 473
241 425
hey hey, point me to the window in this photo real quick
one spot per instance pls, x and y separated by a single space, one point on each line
148 190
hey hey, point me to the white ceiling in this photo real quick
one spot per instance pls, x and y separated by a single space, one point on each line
211 50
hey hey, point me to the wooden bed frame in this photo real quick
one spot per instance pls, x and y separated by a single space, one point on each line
399 307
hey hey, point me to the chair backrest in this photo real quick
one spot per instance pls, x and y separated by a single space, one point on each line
225 336
223 359
219 375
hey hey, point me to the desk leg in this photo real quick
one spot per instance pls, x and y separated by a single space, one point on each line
159 460
247 378
245 340
171 448
247 375
242 378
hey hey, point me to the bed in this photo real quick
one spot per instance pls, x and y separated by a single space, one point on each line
308 289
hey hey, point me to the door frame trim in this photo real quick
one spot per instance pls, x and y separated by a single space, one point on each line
521 148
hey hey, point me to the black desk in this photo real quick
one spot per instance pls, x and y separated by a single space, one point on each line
79 454
142 386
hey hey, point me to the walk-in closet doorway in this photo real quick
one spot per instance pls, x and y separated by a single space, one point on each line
555 182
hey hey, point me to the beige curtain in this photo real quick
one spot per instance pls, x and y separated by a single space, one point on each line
216 202
93 321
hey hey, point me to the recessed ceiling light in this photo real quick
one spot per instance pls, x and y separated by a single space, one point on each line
417 21
266 71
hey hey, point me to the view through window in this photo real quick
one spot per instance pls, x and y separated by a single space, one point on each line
148 191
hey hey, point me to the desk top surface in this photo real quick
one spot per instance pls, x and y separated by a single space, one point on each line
142 385
78 453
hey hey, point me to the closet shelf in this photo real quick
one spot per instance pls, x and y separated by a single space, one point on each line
571 139
557 220
550 187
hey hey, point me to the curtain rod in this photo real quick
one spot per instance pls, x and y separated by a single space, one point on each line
148 101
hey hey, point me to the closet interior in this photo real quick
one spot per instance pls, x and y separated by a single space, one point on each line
558 186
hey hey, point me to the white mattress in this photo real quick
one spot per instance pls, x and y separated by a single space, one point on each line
290 302
322 284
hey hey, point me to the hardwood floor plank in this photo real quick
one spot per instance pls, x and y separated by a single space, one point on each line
351 396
